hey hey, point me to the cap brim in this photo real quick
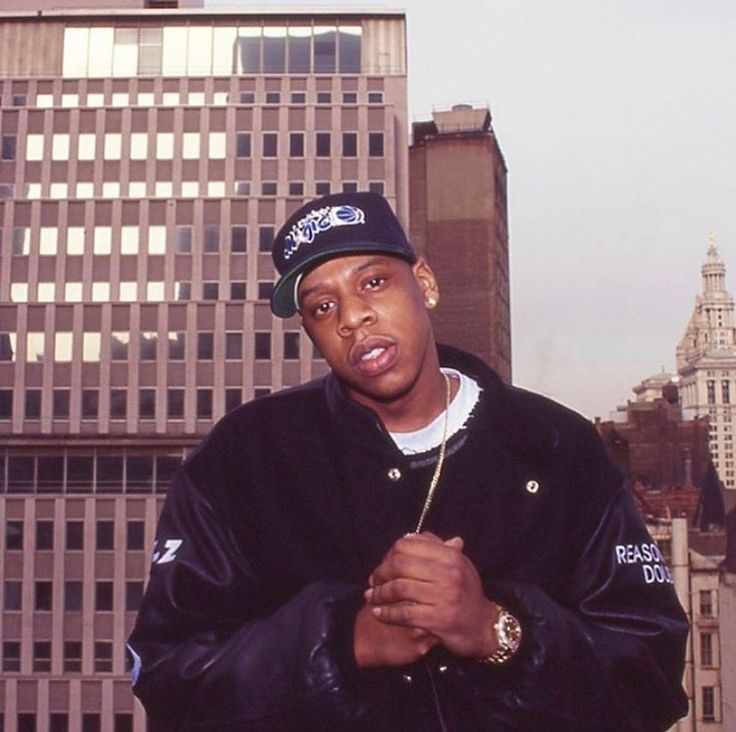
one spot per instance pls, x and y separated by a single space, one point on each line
283 297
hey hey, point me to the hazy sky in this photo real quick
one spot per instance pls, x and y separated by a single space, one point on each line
617 119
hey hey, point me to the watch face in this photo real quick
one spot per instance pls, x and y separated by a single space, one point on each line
509 631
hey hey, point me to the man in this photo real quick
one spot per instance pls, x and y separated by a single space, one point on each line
405 544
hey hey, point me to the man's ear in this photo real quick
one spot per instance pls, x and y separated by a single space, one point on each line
427 283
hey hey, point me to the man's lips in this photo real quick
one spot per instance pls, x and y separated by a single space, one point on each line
373 356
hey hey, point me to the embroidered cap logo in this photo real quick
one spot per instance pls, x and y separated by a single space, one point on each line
315 222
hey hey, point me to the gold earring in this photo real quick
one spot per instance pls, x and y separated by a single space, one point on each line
431 302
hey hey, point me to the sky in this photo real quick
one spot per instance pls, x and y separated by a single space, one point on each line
617 120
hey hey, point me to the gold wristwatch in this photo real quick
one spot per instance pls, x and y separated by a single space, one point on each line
508 635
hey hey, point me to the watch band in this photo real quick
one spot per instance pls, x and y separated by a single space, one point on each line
508 634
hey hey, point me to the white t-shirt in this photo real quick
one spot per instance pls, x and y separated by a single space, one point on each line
430 436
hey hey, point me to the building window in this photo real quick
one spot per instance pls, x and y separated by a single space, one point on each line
80 473
265 238
265 290
291 345
205 346
242 144
298 98
6 403
177 345
11 656
118 403
72 656
711 391
322 188
239 239
204 403
706 649
708 697
8 146
13 595
119 341
123 722
211 239
135 535
234 346
75 535
296 188
375 144
263 346
183 243
14 535
33 403
90 403
43 595
105 534
375 97
73 595
233 398
349 98
147 403
269 188
42 656
296 144
210 290
133 595
706 603
103 656
349 187
322 141
103 595
237 290
148 341
270 144
44 535
175 403
324 97
726 391
91 722
349 144
376 186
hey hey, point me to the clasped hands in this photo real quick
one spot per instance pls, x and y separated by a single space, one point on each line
425 592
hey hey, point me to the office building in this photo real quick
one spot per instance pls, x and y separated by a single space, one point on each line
147 156
459 222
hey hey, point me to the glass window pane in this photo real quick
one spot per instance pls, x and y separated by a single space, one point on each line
174 51
125 52
223 51
300 50
274 50
76 41
324 49
239 239
99 59
350 45
199 57
250 51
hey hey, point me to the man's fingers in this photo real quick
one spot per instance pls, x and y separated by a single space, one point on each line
412 615
402 589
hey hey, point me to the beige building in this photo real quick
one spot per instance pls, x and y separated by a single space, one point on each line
146 158
706 363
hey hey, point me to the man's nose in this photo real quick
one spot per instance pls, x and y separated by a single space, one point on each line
354 313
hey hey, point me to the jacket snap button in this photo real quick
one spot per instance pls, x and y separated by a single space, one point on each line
394 474
406 678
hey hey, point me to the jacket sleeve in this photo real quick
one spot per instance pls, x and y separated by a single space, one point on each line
609 654
206 656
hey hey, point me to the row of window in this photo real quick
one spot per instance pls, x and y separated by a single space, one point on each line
89 346
122 403
204 50
43 534
187 146
72 658
151 240
44 292
63 722
191 99
725 391
103 472
167 189
73 596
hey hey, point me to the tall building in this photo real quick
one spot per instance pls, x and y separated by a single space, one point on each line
146 157
706 362
459 221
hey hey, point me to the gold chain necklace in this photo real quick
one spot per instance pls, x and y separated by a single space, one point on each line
440 460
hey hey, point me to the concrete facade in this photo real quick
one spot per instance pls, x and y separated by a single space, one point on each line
147 157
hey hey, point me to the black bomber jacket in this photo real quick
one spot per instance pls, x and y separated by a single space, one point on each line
273 524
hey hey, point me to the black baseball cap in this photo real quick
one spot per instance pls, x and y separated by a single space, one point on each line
342 223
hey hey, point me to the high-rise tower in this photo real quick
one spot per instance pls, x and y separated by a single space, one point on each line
146 157
706 362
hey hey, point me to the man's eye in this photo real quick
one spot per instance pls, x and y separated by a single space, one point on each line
323 308
375 282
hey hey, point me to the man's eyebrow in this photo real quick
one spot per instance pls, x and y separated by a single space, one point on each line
359 268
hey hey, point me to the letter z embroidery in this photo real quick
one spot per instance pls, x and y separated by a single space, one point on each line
171 547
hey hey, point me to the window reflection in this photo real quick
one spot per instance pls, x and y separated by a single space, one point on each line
63 347
34 347
91 345
325 38
250 51
119 341
129 240
299 44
